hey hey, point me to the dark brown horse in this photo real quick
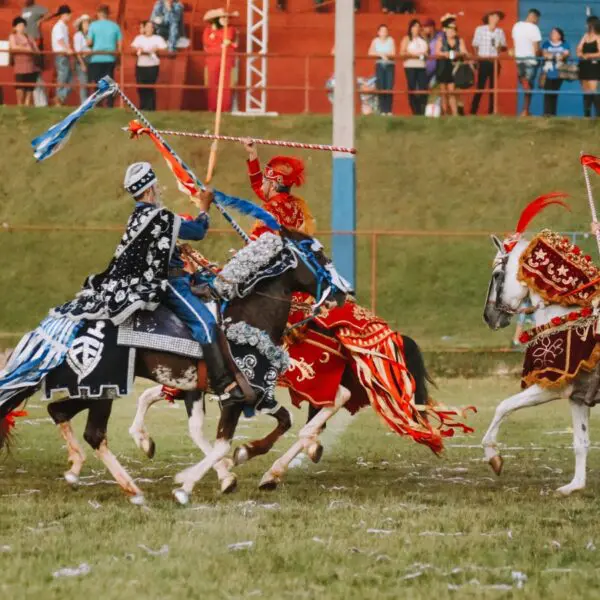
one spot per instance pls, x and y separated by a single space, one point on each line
266 307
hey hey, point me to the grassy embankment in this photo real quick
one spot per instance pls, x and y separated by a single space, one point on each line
431 176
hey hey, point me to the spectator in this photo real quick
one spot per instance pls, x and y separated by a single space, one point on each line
489 40
556 51
588 51
526 37
61 46
431 35
167 16
397 6
147 47
34 16
104 35
414 50
452 49
82 54
384 48
23 60
213 40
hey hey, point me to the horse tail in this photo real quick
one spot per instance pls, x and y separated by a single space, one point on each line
8 414
416 367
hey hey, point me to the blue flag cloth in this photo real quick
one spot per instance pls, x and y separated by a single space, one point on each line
49 143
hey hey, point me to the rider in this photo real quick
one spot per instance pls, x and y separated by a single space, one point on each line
148 269
273 186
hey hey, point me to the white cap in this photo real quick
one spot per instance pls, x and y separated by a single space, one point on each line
138 178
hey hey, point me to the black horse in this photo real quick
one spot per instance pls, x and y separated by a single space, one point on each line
266 307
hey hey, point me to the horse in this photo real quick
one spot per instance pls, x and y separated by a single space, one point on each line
507 296
264 305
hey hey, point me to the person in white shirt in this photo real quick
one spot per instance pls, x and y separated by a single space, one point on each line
489 41
414 50
527 38
384 48
61 46
147 46
82 51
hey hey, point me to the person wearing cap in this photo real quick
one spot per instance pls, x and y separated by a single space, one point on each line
82 52
106 41
24 51
167 16
147 269
213 40
489 41
273 186
61 46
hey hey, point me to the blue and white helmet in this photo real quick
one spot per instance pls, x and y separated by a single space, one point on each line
138 178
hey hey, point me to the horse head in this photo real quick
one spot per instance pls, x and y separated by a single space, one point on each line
315 273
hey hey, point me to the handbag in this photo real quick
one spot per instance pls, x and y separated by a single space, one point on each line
464 75
568 72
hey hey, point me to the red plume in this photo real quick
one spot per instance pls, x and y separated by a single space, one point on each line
593 162
535 207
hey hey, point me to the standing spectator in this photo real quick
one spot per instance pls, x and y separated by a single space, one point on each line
397 6
384 48
588 51
147 47
489 40
61 46
24 61
414 50
452 49
82 54
555 50
213 40
34 16
104 35
167 16
526 38
431 35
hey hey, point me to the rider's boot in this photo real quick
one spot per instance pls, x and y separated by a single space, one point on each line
221 379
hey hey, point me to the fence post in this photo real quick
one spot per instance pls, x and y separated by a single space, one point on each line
373 271
495 90
306 83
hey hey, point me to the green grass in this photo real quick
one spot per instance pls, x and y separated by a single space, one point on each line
413 174
311 537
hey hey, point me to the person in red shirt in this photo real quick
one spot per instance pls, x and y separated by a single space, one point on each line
213 40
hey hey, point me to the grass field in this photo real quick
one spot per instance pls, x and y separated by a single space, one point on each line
471 175
379 517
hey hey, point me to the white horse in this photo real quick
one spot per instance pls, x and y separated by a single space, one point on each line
506 297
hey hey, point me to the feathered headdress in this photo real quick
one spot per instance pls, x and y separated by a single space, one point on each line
530 211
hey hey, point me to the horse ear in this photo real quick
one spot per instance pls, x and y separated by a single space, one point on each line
497 242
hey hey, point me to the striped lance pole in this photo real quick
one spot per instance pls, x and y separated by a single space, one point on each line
588 186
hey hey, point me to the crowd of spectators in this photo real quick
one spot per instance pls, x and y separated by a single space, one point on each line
438 64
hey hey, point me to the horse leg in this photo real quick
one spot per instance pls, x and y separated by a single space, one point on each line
195 406
188 478
532 396
246 452
61 412
581 441
138 430
95 436
307 436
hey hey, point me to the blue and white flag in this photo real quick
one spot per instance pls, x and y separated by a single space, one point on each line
49 143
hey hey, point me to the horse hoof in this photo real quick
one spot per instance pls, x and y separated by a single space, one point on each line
567 490
240 455
496 462
138 500
315 452
181 496
71 478
268 483
149 447
229 484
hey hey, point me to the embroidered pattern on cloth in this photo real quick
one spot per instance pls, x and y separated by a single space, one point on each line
136 276
263 258
555 269
555 356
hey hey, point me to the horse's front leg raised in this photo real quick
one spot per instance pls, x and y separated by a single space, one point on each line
581 442
138 430
532 396
307 436
188 478
248 451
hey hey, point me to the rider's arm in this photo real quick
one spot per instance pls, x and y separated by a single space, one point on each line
194 230
254 170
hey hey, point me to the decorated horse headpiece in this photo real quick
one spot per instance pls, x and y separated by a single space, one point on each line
529 212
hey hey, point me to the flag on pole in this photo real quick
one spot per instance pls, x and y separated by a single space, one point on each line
49 143
593 162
